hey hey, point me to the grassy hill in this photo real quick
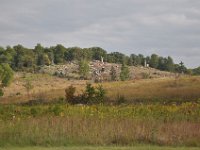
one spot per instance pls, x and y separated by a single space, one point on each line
49 87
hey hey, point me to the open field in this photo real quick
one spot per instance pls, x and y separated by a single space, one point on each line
183 88
101 148
164 112
64 125
146 90
44 87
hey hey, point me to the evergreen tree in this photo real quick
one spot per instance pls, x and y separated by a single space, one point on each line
113 74
6 76
124 74
84 69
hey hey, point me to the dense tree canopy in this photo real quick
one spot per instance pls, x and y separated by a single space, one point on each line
21 58
196 71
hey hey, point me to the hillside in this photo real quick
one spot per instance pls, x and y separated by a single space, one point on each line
102 70
48 87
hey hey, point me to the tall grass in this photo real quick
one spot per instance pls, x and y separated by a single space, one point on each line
185 89
63 125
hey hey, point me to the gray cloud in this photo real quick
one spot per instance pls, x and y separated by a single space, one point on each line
166 27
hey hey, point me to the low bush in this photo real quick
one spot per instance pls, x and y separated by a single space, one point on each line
91 95
70 94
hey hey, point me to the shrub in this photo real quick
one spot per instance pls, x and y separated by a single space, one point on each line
93 95
34 111
57 110
100 94
70 94
89 95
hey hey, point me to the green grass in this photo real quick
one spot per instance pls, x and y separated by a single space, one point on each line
65 125
183 112
159 118
101 148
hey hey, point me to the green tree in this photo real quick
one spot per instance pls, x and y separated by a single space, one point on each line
196 71
125 73
113 74
7 55
23 58
116 57
84 69
6 76
94 95
140 60
39 54
89 94
154 61
59 52
169 64
100 94
162 63
97 53
133 60
73 53
180 68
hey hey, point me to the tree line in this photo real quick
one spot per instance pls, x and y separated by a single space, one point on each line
22 58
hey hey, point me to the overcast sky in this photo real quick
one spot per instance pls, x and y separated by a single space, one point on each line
164 27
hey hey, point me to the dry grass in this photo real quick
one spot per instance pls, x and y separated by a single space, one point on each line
44 87
162 88
61 125
70 130
49 87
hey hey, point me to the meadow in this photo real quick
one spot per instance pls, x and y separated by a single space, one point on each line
65 125
158 112
156 90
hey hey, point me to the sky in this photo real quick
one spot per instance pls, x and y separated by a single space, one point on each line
164 27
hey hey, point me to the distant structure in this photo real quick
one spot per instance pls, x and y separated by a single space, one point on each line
146 65
101 59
